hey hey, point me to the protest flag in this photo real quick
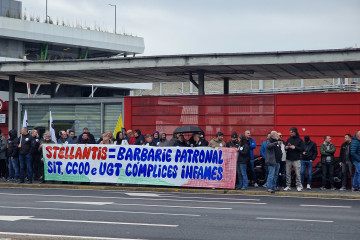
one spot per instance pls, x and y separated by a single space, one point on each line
119 125
52 130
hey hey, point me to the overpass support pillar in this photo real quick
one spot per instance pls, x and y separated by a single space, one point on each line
226 85
201 77
52 89
11 113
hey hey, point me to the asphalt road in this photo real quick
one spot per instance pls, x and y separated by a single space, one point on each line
40 213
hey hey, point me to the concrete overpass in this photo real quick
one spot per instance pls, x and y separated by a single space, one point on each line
343 63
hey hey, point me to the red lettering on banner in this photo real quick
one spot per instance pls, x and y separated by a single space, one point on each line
86 153
78 153
94 150
55 151
104 151
61 153
72 153
48 149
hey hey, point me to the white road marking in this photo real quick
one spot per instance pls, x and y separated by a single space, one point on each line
102 222
128 198
14 218
106 211
296 220
32 218
142 194
324 206
85 203
181 197
62 236
167 206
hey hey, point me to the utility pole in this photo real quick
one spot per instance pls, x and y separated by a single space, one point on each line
114 5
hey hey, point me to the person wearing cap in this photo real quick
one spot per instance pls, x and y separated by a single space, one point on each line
307 159
234 141
217 141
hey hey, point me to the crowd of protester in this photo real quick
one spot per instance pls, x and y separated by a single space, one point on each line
22 155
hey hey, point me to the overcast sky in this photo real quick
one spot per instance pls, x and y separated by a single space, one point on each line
217 26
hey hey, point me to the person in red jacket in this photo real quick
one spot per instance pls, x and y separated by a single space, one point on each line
131 137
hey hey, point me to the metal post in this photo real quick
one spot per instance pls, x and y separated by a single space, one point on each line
86 53
46 51
201 78
114 5
46 16
226 85
261 84
52 89
11 113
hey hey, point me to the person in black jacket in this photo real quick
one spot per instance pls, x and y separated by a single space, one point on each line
139 139
345 161
85 139
307 159
181 142
85 130
36 159
26 148
234 142
199 142
294 147
242 162
149 141
13 155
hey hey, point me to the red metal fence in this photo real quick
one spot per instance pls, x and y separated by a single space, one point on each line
314 114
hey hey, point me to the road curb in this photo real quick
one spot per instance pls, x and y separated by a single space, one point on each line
185 190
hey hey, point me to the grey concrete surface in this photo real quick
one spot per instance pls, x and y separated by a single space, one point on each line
113 214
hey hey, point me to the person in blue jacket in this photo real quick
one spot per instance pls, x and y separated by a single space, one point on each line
252 144
355 157
263 154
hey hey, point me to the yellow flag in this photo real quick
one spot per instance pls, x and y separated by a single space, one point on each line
119 125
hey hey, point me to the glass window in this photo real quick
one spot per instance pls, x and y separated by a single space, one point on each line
111 116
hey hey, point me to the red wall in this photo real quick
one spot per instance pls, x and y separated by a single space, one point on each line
314 114
4 126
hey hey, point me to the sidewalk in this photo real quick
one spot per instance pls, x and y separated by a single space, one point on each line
313 193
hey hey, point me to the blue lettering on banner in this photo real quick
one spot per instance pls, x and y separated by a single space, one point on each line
145 162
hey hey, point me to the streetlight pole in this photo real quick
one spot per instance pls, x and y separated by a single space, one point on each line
46 16
114 5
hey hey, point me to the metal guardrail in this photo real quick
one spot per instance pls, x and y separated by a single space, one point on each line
323 88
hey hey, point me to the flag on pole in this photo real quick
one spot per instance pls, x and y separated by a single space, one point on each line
52 130
25 120
119 125
28 90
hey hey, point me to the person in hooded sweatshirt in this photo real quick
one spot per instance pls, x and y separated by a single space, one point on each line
26 146
156 138
294 146
163 142
13 155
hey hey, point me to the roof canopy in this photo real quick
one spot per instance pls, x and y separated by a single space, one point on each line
236 66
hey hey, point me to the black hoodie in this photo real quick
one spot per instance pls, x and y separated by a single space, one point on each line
294 154
13 143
